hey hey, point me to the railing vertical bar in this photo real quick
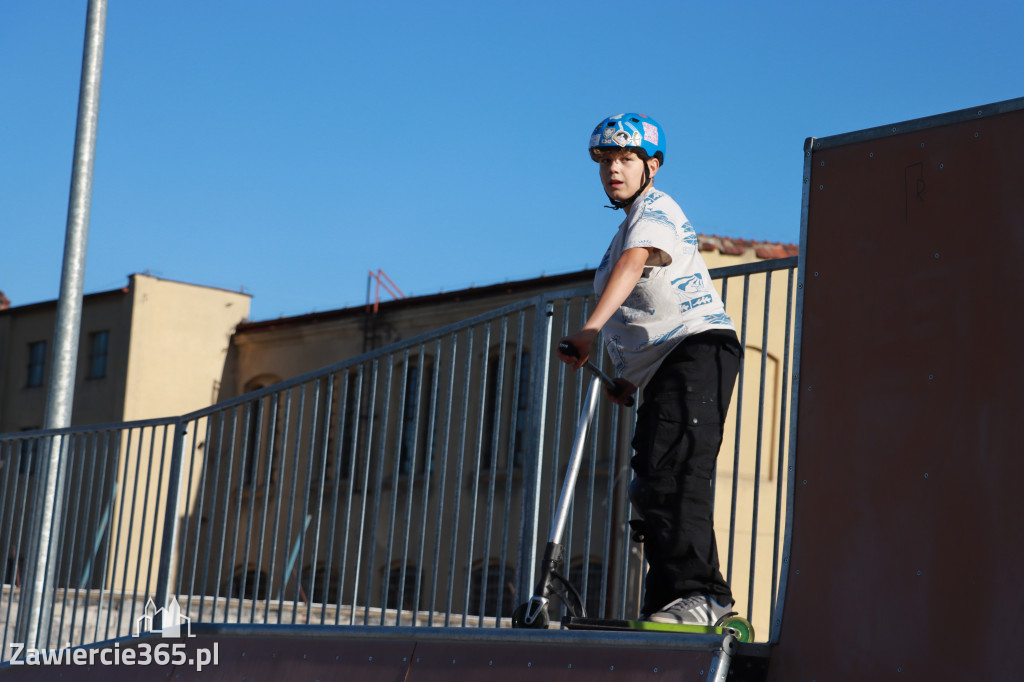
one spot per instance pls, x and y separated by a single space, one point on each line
10 565
94 520
144 516
121 523
93 503
154 557
342 379
396 471
253 449
325 444
274 558
117 543
510 464
428 463
307 490
225 510
274 402
197 514
477 451
781 465
534 461
411 485
459 462
734 500
611 516
170 561
60 513
378 491
492 472
759 448
286 576
441 497
80 501
214 470
364 491
21 505
353 456
242 455
595 437
108 570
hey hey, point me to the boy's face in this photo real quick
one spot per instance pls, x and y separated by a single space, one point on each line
622 174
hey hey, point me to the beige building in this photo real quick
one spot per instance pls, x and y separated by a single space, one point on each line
155 348
152 349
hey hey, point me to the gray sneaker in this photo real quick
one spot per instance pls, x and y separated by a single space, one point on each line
698 609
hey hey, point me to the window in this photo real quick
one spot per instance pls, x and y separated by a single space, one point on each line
593 590
402 584
36 363
492 592
415 412
515 381
249 584
99 342
325 590
264 417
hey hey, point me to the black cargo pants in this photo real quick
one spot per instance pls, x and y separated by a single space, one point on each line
678 433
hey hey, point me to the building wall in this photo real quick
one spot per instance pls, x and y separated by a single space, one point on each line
166 352
165 356
97 400
180 335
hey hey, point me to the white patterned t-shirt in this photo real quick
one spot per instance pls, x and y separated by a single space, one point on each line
674 297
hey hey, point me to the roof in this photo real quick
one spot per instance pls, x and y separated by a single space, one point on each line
724 245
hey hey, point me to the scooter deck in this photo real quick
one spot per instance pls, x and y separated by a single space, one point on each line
574 623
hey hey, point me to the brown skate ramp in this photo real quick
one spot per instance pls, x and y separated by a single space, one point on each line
906 562
403 654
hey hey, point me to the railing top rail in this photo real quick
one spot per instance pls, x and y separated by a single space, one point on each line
89 428
392 349
755 267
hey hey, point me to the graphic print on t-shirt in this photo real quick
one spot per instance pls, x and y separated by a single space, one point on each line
692 291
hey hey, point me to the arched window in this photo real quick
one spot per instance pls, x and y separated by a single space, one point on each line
249 583
510 381
402 583
492 591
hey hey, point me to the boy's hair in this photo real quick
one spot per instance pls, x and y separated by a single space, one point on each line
598 153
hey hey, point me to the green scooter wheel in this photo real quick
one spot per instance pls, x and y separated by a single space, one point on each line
741 626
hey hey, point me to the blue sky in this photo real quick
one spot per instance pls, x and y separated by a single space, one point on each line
290 148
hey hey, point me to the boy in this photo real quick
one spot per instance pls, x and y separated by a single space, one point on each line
666 331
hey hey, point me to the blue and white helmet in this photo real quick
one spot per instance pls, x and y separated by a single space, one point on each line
624 131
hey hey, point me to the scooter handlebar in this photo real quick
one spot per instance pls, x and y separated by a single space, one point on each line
613 388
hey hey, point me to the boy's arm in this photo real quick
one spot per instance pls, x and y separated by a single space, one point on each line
624 276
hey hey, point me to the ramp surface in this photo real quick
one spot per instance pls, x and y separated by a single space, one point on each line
404 654
905 560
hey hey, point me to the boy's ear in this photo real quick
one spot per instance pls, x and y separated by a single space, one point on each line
654 164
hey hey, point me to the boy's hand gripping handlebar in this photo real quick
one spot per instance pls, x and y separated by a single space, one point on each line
609 383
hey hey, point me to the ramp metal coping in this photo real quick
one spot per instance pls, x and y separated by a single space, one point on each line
456 635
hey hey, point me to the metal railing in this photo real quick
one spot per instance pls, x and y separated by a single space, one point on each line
411 486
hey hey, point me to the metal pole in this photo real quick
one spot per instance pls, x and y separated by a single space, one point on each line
48 509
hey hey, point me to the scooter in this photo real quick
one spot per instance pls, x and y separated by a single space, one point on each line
552 583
